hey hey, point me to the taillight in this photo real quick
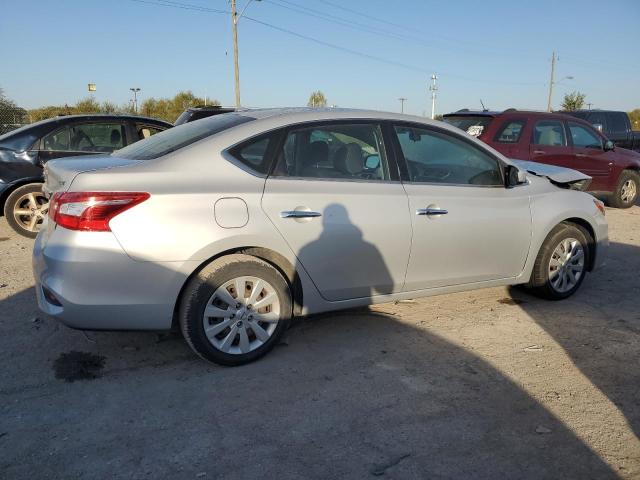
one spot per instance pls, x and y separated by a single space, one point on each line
91 211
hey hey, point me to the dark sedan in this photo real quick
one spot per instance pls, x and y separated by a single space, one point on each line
24 151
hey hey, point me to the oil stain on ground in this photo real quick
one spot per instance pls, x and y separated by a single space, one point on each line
511 301
75 365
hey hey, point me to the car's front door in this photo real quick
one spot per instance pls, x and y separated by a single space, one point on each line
467 227
590 157
337 201
90 138
549 144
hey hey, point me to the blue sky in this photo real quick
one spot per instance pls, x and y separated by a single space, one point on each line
497 51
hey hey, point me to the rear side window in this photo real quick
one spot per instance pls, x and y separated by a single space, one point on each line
510 132
549 132
181 136
256 153
474 126
146 131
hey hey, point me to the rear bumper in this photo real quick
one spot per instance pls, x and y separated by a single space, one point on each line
87 281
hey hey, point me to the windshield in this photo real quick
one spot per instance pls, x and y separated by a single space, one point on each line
473 125
179 137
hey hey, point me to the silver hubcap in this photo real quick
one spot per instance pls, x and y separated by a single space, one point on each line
566 265
30 211
628 191
241 315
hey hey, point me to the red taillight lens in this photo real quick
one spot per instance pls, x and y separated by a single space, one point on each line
91 211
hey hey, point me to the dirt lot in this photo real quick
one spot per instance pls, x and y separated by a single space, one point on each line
488 384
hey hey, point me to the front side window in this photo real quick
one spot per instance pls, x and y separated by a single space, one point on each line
57 141
583 137
340 151
510 132
96 137
435 157
549 132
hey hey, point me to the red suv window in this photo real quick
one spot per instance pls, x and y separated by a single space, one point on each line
510 132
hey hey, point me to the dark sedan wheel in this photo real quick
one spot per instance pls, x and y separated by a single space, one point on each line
26 208
235 309
626 192
561 264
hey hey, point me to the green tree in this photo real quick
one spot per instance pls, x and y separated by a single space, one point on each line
634 116
169 109
573 101
317 99
11 116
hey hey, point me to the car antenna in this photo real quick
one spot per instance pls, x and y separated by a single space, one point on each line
484 109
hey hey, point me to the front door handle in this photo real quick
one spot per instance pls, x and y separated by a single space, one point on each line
539 152
581 155
299 214
431 211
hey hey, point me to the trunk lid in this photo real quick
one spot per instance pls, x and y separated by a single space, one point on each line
60 173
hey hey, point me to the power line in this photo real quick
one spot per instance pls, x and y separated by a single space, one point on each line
167 3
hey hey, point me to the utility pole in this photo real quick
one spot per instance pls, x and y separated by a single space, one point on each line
589 105
402 100
433 88
236 70
553 72
135 91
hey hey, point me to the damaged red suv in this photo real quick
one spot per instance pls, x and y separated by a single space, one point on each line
560 140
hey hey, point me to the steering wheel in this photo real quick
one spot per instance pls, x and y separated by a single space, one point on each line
83 136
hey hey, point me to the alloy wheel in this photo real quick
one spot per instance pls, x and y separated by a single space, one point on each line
30 211
566 265
241 315
628 191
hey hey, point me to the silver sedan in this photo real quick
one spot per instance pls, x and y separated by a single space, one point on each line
231 226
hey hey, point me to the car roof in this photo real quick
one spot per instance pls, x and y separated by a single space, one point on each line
509 111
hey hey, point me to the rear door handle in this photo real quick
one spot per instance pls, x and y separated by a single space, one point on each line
431 211
299 214
581 155
538 152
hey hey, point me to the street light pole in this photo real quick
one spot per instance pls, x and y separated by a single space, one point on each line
434 88
135 91
402 100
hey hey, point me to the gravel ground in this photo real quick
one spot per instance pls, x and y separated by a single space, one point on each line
487 384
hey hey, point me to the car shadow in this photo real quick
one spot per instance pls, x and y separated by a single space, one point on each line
599 328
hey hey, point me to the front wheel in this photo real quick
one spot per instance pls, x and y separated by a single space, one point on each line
235 309
561 264
626 192
26 208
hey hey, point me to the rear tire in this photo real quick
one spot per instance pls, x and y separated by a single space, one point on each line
25 209
561 264
235 310
626 192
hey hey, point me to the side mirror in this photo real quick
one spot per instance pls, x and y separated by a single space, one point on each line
598 126
515 176
372 162
609 145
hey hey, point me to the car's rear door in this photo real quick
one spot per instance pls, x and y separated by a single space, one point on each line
336 198
549 144
467 227
590 157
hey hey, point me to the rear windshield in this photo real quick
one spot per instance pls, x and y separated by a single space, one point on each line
472 125
179 137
